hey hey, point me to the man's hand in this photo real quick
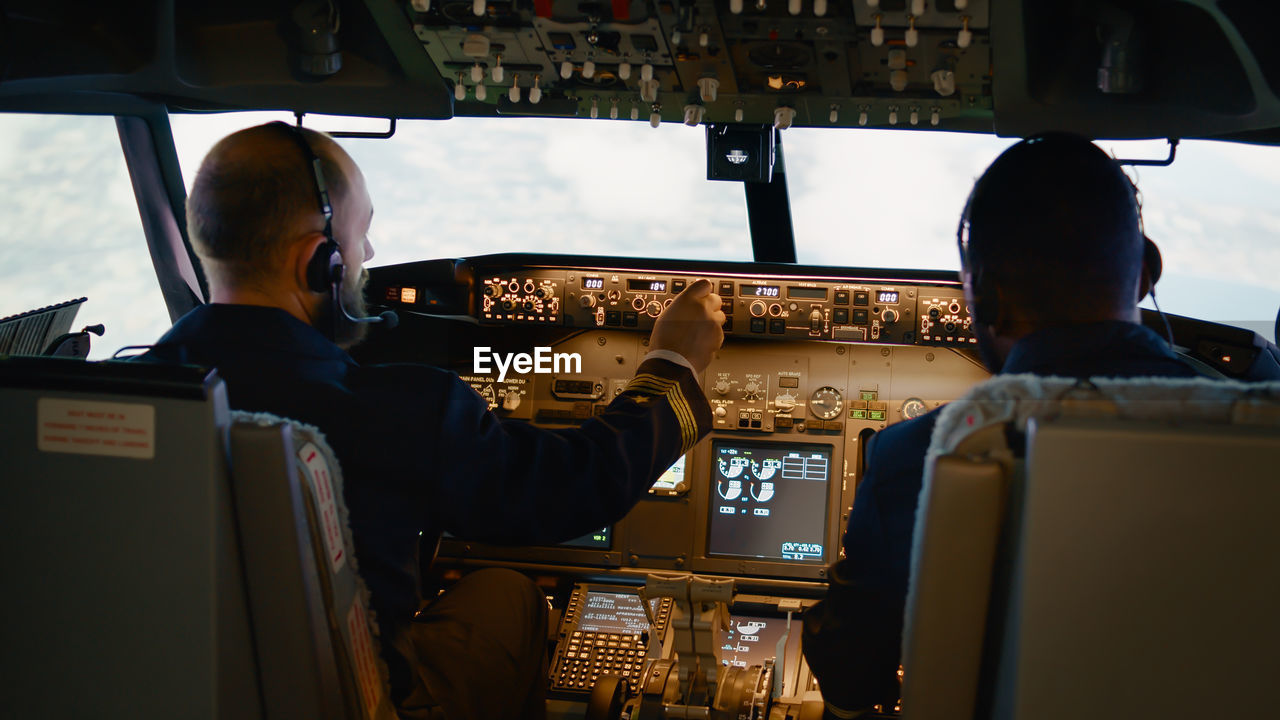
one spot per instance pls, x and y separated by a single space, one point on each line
691 326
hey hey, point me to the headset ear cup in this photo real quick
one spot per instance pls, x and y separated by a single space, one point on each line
320 271
983 309
1151 258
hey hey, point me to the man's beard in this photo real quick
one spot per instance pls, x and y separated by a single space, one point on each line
347 334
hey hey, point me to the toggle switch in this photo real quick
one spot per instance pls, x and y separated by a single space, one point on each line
589 69
820 8
477 7
735 7
793 7
862 116
514 93
708 89
481 92
737 115
914 117
965 37
783 117
566 69
613 108
893 114
535 92
477 73
835 114
646 71
912 37
459 90
935 116
649 90
877 33
595 108
655 116
624 70
693 114
497 71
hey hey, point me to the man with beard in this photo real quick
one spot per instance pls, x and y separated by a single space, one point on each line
279 217
1054 262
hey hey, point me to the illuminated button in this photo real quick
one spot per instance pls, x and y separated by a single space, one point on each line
726 289
788 382
875 414
630 319
860 317
778 326
832 425
879 406
782 421
775 309
857 414
757 325
860 297
858 404
409 295
677 286
613 317
842 297
757 309
840 316
869 395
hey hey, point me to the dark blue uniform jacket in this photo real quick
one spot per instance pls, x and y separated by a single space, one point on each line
852 638
421 453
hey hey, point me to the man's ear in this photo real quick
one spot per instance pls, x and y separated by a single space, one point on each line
301 254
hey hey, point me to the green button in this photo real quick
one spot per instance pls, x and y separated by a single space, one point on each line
875 414
857 414
869 395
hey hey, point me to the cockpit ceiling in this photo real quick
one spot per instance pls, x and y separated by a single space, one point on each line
1106 68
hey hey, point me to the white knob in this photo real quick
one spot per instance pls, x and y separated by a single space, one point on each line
893 116
514 93
793 7
782 117
912 37
649 90
877 34
944 82
917 7
704 39
481 92
835 114
566 69
635 112
613 109
935 117
589 69
965 37
693 114
914 118
535 92
595 108
422 5
708 88
721 411
820 7
735 7
624 71
497 71
459 90
862 118
646 72
477 73
898 80
477 7
737 115
511 400
655 118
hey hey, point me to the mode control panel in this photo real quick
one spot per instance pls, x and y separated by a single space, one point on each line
899 312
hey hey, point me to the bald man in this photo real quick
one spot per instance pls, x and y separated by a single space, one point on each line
420 452
1054 263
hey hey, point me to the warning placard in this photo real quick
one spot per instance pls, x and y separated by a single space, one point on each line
362 651
85 427
326 505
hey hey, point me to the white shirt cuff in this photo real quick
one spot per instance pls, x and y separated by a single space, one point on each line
671 356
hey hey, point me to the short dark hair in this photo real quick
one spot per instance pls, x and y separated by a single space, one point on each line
1055 223
254 192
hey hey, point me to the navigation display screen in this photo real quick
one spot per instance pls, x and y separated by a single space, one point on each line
614 612
672 477
752 639
601 539
769 501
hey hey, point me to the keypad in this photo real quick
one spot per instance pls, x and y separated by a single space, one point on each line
584 656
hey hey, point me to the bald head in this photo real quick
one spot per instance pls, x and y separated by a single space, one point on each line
254 195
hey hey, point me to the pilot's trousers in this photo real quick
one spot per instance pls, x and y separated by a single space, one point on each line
480 651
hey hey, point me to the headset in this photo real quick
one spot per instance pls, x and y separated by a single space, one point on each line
325 269
982 284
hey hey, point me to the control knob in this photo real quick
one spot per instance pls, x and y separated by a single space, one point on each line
815 321
785 401
757 309
890 315
587 300
721 387
720 411
511 400
654 308
751 391
493 291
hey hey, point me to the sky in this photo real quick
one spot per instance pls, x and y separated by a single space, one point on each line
870 198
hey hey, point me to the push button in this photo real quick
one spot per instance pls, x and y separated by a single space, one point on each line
757 325
777 326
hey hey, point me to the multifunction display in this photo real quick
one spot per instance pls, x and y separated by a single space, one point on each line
614 612
752 639
769 500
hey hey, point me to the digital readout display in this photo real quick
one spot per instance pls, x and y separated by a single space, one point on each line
759 290
657 286
888 297
769 500
592 283
806 293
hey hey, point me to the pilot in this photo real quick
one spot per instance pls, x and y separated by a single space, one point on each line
419 450
1054 262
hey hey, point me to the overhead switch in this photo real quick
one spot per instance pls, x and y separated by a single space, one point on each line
835 114
459 90
820 7
514 93
917 7
898 80
481 92
477 73
595 108
624 71
944 82
783 117
708 89
862 117
793 7
735 7
935 116
613 108
535 92
877 33
476 46
693 114
649 90
912 38
965 37
422 5
477 7
589 69
893 114
655 117
914 118
737 115
646 71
